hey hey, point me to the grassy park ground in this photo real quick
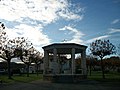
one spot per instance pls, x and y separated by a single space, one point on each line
95 75
20 78
110 76
94 82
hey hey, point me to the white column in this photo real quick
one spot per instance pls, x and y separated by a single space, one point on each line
55 54
73 60
58 63
83 62
46 62
55 70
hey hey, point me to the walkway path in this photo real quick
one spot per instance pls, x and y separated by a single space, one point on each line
43 85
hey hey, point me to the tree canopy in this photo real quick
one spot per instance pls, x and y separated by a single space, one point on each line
102 48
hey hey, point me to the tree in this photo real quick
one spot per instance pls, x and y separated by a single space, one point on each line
34 57
102 48
118 50
27 59
24 51
90 62
7 48
38 59
112 63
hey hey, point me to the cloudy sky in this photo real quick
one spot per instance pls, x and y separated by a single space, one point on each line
54 21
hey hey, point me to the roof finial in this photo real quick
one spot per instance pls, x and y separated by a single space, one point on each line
64 40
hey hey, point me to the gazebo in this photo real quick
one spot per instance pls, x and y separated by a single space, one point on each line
60 63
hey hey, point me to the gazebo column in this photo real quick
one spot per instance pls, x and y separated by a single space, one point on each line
83 62
73 60
58 63
55 54
55 61
46 62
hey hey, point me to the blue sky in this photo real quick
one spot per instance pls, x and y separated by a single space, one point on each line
53 21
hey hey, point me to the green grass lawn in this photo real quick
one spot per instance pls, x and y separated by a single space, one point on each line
110 76
95 75
22 78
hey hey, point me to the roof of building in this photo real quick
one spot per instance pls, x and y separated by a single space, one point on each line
65 47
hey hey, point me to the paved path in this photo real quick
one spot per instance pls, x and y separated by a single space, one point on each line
44 85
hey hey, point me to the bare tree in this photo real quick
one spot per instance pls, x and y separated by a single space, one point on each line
118 50
7 48
18 47
90 58
101 49
28 58
34 57
24 50
38 59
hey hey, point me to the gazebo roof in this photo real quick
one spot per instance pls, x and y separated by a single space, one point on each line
64 48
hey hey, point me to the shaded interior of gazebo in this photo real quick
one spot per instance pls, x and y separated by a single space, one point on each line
59 68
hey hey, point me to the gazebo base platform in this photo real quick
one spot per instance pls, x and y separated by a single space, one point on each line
65 78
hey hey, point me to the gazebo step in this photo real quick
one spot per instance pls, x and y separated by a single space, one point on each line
65 78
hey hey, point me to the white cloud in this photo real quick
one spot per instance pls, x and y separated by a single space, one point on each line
115 21
39 13
96 38
45 11
70 16
110 34
77 34
112 30
35 35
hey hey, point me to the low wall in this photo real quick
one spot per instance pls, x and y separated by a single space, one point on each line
64 78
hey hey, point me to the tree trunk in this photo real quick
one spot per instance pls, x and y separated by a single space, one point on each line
27 70
90 69
9 69
37 69
102 68
90 66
